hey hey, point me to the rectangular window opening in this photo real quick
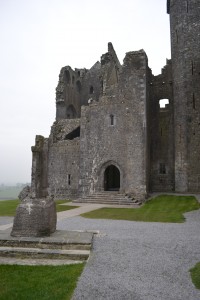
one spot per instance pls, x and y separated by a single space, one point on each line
69 179
193 101
177 36
162 168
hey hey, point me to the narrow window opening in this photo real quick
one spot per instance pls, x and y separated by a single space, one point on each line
192 67
79 73
91 89
67 77
111 120
73 79
193 101
102 85
69 179
162 168
177 36
78 86
187 6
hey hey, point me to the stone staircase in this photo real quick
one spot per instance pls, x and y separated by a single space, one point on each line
62 247
109 198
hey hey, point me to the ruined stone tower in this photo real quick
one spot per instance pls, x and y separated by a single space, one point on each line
185 45
111 135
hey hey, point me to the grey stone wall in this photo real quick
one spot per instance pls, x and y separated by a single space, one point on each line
161 132
185 44
122 144
63 167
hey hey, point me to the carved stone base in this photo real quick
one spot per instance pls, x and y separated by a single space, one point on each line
35 217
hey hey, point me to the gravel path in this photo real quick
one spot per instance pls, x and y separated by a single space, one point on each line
6 220
139 261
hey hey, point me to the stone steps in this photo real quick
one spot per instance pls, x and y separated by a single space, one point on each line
65 247
37 253
109 198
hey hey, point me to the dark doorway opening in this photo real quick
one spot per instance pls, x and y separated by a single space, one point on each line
112 179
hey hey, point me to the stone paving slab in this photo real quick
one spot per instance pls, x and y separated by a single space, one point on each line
58 237
37 262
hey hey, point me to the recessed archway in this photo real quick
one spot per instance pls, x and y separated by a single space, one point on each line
112 178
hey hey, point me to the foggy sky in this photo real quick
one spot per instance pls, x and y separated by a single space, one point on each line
41 36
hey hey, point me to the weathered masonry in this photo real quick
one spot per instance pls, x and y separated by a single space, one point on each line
111 131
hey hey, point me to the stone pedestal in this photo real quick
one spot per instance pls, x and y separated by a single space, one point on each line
35 218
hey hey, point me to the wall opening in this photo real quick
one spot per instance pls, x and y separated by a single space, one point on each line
177 36
71 112
67 77
162 169
112 178
78 86
91 89
69 179
193 101
73 134
112 120
163 103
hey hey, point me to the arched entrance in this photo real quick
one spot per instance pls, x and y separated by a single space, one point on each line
111 178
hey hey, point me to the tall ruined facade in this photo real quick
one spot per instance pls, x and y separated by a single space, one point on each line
112 134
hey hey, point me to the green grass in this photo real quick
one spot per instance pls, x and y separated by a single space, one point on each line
195 275
38 282
63 207
8 207
164 208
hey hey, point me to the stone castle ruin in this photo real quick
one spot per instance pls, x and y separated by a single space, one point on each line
111 132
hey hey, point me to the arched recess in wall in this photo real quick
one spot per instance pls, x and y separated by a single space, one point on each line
78 86
71 112
163 103
112 178
67 77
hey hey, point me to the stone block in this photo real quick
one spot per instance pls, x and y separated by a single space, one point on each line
35 218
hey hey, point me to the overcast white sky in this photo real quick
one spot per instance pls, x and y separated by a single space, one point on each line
39 37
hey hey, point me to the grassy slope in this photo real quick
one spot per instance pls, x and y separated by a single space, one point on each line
165 208
195 275
8 207
38 282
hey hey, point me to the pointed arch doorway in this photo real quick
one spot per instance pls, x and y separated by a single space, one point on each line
111 178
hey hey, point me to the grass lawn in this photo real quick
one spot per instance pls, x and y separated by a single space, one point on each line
38 282
195 274
164 208
8 207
